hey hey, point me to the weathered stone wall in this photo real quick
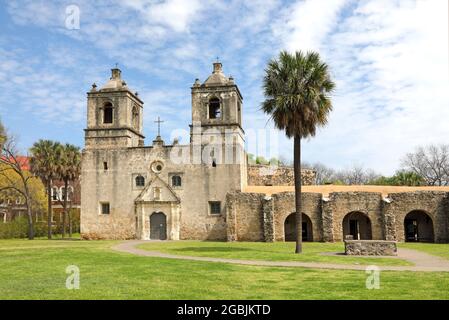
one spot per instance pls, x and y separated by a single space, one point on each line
244 216
264 175
370 248
258 217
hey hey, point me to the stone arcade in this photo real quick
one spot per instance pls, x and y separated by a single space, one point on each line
197 190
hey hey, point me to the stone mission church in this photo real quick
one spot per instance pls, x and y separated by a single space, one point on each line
207 190
130 190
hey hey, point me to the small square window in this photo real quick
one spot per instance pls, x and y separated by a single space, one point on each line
215 207
176 181
105 208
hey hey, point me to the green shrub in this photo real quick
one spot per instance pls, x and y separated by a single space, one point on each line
14 229
18 228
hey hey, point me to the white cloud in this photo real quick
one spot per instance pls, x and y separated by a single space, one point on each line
305 24
389 59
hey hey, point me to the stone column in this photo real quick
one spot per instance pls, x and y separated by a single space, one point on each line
268 223
328 220
389 220
231 230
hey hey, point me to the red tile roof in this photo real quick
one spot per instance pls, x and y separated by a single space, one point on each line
24 162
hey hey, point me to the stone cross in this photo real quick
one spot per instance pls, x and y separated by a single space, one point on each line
159 121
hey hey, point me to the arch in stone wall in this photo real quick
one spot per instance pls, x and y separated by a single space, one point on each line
290 228
432 203
283 204
357 225
418 227
340 204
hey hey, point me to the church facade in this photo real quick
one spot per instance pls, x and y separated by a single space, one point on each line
161 191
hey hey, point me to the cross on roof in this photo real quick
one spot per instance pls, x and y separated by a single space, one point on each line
159 121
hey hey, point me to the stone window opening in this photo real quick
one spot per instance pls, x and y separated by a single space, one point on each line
214 108
105 208
239 113
176 181
135 120
140 181
107 113
157 166
215 207
105 166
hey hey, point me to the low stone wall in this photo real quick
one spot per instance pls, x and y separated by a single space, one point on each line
370 248
264 175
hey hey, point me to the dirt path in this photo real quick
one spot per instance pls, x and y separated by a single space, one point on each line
423 262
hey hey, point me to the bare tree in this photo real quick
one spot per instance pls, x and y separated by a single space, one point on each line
15 178
356 175
323 174
430 162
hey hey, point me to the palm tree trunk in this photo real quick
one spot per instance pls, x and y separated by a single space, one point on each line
64 213
49 209
297 171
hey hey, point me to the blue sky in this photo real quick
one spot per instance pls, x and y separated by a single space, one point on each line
388 57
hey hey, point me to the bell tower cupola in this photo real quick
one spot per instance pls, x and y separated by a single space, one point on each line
217 101
114 115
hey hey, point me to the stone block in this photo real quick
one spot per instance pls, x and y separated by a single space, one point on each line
370 248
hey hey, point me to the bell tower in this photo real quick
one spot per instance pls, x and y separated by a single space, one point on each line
217 117
218 101
114 115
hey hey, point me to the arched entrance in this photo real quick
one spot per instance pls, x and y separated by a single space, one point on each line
418 227
290 228
158 226
357 225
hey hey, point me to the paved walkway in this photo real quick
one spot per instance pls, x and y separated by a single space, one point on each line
423 262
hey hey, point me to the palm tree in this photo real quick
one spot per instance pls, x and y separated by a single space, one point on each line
43 164
408 178
69 170
297 90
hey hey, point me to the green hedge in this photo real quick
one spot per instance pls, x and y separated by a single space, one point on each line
18 228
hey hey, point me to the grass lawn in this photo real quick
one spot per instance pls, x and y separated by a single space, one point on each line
36 270
277 251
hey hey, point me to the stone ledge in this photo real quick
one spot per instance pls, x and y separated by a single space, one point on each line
371 248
